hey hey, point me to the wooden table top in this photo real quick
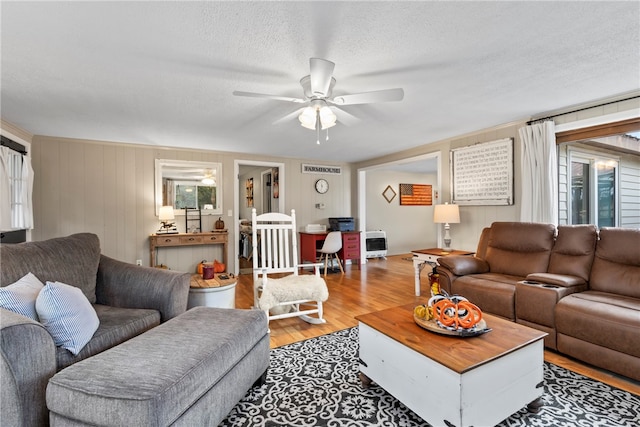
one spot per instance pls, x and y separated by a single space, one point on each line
198 282
441 252
457 354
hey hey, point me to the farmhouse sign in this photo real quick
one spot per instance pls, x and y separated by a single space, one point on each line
331 170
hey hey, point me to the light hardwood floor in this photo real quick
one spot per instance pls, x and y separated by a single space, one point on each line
378 285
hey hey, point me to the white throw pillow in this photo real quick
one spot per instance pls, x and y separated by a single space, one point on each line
20 297
68 315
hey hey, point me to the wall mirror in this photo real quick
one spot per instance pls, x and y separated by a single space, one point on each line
189 184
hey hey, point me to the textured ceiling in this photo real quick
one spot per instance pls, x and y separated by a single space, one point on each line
163 73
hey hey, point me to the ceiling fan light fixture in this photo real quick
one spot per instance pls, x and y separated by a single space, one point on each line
208 178
327 117
308 126
318 93
307 121
308 118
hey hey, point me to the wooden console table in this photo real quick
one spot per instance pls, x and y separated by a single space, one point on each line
218 237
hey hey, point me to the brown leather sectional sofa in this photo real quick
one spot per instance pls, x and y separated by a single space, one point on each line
579 284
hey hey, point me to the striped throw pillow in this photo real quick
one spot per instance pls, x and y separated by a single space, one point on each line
20 297
67 314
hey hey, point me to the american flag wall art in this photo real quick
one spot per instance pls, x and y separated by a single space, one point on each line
415 195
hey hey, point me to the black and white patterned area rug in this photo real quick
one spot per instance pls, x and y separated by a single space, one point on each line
316 383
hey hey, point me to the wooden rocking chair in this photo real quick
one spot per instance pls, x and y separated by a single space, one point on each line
275 252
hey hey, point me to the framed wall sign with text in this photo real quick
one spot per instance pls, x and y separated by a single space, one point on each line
482 174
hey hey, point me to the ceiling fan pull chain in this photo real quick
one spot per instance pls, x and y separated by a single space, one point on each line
327 135
318 131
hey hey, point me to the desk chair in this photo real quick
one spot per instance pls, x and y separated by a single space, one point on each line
332 244
275 251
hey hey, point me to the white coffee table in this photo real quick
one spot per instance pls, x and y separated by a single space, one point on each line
475 381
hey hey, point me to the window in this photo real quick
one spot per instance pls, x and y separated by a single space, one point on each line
193 195
594 189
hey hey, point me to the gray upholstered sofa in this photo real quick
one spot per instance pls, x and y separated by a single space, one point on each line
205 370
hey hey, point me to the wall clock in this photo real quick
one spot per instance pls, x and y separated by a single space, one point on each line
322 186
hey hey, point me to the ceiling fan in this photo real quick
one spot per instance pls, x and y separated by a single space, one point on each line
318 90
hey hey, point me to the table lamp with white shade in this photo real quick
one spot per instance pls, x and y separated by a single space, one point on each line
446 214
166 217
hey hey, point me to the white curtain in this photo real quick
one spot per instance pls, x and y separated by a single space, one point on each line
539 173
16 191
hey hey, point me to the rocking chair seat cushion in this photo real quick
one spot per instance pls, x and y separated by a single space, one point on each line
293 288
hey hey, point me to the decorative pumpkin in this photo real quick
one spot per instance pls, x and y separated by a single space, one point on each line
199 268
218 267
219 224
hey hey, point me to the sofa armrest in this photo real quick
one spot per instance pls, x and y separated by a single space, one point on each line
120 284
461 265
453 266
563 280
28 361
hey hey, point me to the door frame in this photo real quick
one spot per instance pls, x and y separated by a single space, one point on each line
236 199
362 191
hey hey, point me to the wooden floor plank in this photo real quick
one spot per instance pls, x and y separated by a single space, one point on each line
380 284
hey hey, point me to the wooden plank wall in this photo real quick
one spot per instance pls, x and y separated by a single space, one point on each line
108 189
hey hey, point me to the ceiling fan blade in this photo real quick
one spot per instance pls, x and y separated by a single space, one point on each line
264 95
344 117
288 117
387 95
321 73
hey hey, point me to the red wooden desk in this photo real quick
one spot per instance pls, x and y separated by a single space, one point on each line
310 242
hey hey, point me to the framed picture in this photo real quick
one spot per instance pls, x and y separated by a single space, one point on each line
416 195
482 174
249 185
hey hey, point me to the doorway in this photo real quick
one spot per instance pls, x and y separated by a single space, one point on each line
265 193
406 228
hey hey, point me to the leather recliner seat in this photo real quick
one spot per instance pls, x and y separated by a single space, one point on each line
601 325
568 272
513 250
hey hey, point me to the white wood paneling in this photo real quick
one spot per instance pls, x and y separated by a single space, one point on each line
107 188
408 227
630 192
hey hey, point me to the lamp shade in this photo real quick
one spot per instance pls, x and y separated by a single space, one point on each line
308 118
446 214
166 213
327 117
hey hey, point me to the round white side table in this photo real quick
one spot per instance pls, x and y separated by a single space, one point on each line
212 293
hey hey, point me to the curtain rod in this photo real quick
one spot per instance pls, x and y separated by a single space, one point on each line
542 119
13 145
